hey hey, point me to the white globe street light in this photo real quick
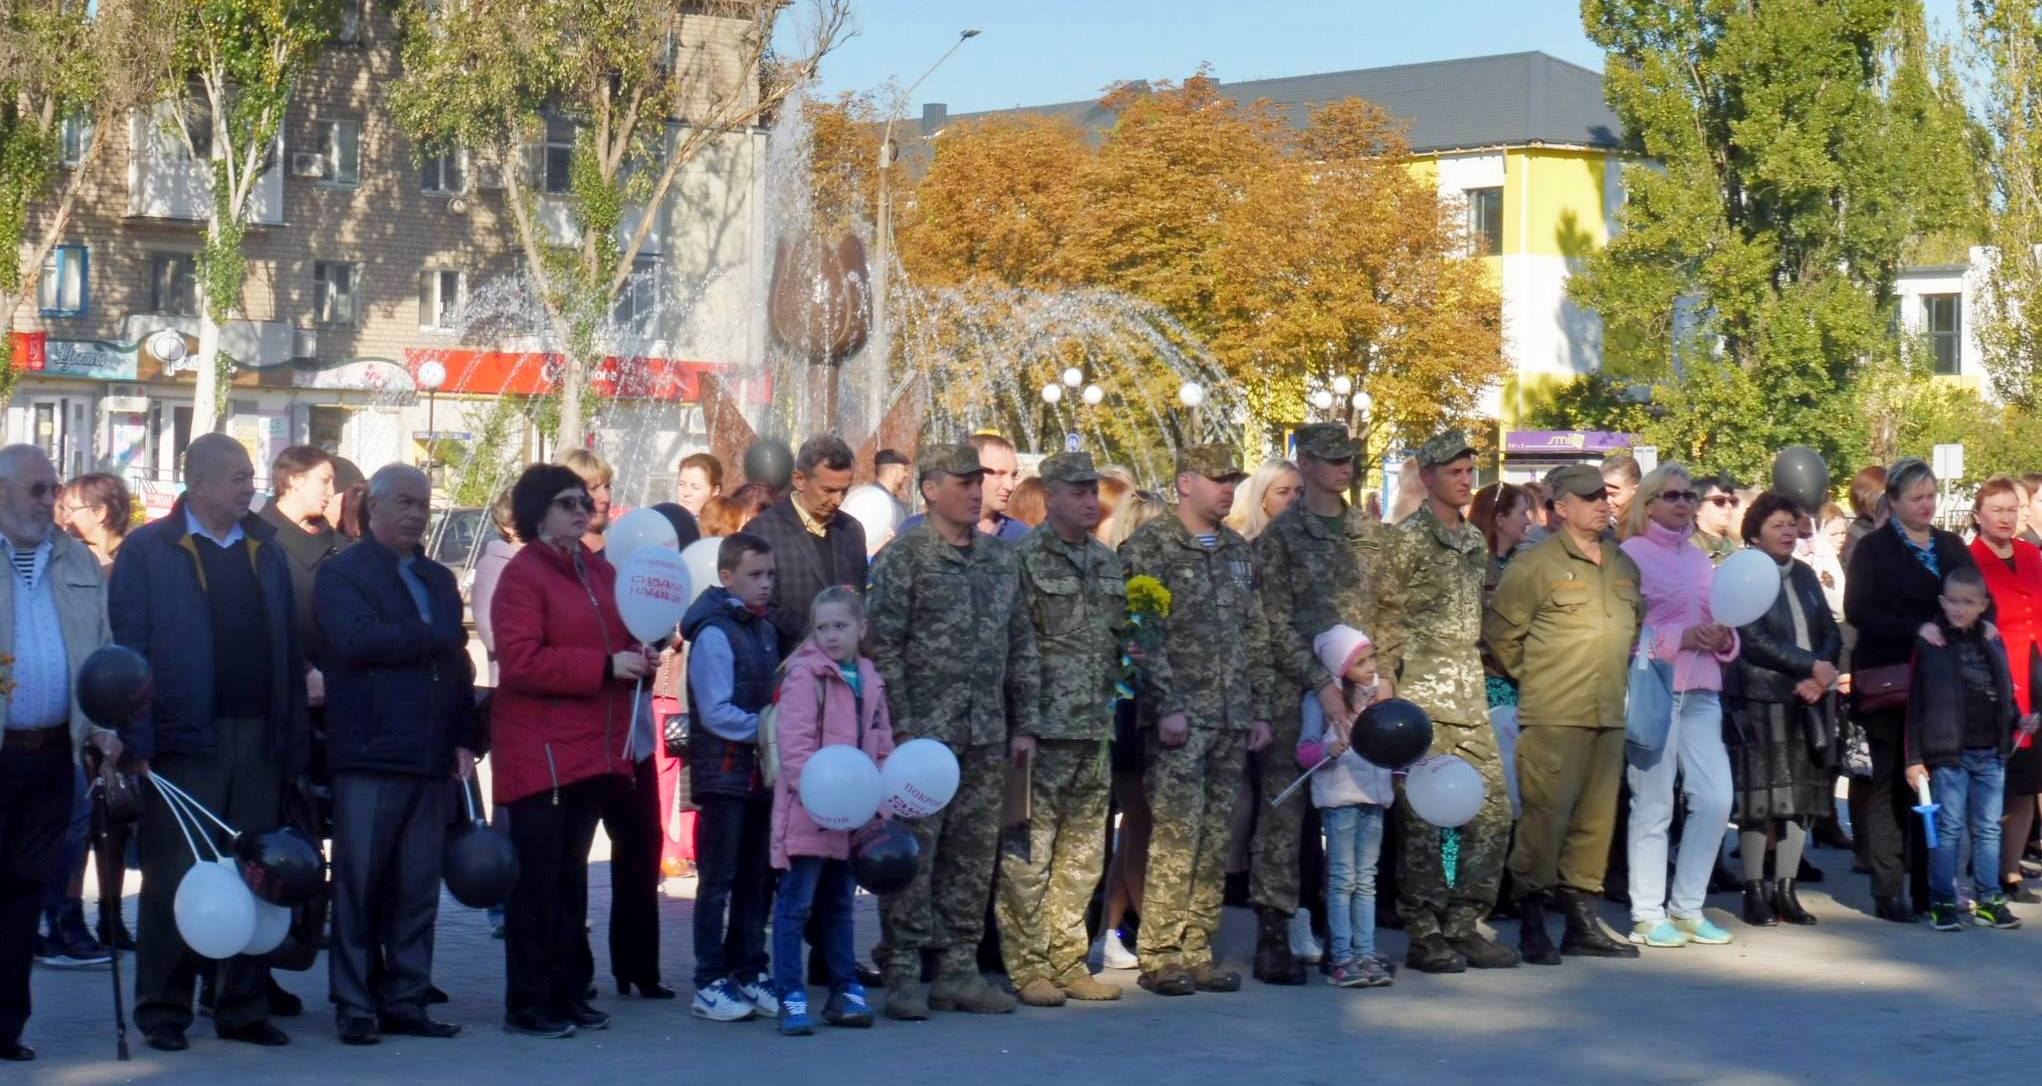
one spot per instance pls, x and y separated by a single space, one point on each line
1362 402
431 375
1323 400
1074 377
1094 395
1051 393
1342 385
1191 394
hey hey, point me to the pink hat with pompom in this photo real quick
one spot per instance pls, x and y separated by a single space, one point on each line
1338 647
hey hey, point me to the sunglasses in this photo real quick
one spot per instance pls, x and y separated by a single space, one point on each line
41 491
582 502
1678 496
1720 500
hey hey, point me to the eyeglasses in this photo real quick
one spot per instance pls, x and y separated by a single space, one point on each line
1720 500
582 502
1678 496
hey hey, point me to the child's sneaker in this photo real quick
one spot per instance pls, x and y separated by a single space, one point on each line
1946 916
794 1021
1376 969
758 991
847 1007
1347 974
1113 954
1995 913
1304 946
722 1002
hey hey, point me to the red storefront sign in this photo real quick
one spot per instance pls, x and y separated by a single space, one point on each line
31 351
534 373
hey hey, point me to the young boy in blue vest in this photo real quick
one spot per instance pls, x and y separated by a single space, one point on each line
732 660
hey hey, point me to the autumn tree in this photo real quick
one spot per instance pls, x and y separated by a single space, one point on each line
635 91
843 174
2006 36
1000 201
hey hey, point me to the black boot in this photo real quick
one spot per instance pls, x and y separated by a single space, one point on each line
1532 940
1584 936
1432 954
1894 909
1789 906
1274 963
1758 904
1808 872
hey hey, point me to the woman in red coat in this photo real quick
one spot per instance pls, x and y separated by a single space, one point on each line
559 722
2013 572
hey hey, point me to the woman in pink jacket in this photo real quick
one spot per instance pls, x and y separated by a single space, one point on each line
828 695
1675 716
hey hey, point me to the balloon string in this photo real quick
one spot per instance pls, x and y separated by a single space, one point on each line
177 814
195 805
1450 854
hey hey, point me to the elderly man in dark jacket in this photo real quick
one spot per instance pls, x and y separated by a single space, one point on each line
400 719
816 546
204 595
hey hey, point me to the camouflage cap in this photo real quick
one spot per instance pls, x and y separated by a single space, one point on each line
1216 462
1327 442
958 459
1075 467
1444 448
1580 480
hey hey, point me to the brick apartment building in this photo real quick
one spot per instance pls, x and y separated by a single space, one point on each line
358 264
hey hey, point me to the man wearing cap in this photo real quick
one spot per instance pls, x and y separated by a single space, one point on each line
953 640
1076 594
1441 561
1210 692
1323 564
1562 623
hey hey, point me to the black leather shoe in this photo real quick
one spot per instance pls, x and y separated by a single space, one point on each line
1808 873
257 1033
359 1031
871 978
1758 905
534 1024
1584 936
1431 954
282 1004
586 1017
422 1026
649 989
434 995
1787 905
1533 942
1483 953
166 1038
1893 909
16 1052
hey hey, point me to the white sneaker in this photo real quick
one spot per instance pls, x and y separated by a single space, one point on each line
721 1002
759 993
1113 954
1304 946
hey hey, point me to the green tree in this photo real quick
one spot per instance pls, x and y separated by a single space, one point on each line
2006 38
1796 147
646 87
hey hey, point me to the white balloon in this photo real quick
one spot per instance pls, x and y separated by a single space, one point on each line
919 778
215 912
647 527
1744 588
653 591
272 923
1444 790
840 787
700 558
875 509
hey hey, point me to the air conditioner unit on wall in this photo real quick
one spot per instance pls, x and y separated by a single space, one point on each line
308 164
304 343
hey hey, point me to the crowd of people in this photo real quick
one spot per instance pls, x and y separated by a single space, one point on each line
1131 687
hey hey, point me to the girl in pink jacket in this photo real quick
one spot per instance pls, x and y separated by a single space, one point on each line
828 694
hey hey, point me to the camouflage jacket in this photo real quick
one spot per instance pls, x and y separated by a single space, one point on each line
1213 665
952 639
1314 578
1077 598
1442 570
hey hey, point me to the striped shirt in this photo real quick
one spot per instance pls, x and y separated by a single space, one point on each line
41 673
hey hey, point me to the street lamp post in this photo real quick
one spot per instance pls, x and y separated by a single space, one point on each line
882 333
431 375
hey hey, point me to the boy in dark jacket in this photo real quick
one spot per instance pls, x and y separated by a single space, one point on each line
1961 718
732 661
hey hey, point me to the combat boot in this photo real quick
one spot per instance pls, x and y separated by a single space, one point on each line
1532 939
904 999
969 992
1483 952
1584 936
1090 989
1041 993
1431 954
1274 962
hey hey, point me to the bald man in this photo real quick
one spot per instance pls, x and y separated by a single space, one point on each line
205 595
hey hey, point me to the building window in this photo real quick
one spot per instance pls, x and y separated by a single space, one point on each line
77 136
336 293
1943 317
440 294
558 158
341 146
197 120
636 306
444 175
174 284
1485 221
64 290
349 29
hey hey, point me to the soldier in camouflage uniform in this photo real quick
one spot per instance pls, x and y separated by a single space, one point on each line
1441 560
952 638
1209 684
1322 563
1077 596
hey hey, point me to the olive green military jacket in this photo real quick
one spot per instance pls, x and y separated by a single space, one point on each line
1315 578
1441 570
1077 599
952 638
1213 664
1563 627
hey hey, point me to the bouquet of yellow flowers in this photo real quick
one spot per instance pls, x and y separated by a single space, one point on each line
1148 604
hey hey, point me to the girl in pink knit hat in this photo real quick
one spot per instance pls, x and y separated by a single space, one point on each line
1352 795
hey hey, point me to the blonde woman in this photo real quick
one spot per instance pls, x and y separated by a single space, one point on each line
1275 487
1138 508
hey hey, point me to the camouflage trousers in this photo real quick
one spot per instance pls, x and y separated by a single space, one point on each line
1428 905
944 909
1273 855
1191 792
1050 865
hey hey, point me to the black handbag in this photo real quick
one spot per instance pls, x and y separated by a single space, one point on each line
675 735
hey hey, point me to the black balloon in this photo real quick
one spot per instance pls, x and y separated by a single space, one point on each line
114 686
769 461
282 867
479 865
884 857
1392 733
686 528
1800 474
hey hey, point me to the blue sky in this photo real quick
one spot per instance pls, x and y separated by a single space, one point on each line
1038 51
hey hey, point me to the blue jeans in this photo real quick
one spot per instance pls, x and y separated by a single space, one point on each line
1354 838
823 887
734 872
1968 794
1694 748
